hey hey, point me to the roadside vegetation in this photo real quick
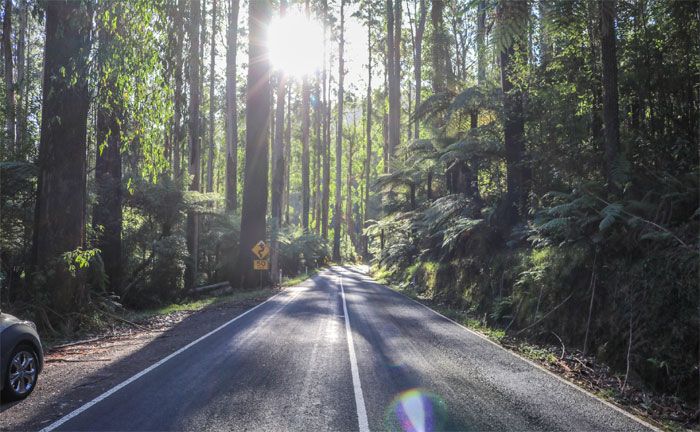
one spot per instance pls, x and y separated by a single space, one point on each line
531 165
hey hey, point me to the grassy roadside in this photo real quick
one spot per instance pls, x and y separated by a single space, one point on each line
571 365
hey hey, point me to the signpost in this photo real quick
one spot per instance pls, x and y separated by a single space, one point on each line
261 252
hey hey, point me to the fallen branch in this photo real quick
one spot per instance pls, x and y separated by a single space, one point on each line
546 315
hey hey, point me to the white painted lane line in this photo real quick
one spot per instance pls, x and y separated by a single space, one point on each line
125 383
357 386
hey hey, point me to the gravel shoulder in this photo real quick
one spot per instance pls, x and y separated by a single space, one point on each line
77 373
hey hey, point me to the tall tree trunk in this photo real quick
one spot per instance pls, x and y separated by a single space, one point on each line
21 111
305 123
288 153
9 79
195 145
438 60
325 205
394 71
611 119
178 128
278 168
212 105
368 138
232 109
107 213
60 208
339 138
255 184
317 154
514 124
349 226
418 61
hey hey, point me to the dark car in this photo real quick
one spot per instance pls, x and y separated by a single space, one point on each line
21 357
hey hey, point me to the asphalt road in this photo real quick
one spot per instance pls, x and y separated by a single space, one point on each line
300 362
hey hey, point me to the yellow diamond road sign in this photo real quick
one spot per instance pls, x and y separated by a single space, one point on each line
261 250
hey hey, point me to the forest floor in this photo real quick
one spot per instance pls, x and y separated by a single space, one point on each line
75 372
667 412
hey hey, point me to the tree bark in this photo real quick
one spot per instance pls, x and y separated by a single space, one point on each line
9 79
255 185
418 61
194 146
514 124
178 129
394 62
107 213
305 124
325 205
317 154
278 167
368 138
232 109
60 208
212 105
339 139
611 119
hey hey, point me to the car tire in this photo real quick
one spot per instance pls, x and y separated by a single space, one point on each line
22 373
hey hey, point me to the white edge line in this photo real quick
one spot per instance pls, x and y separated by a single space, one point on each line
363 424
530 362
128 381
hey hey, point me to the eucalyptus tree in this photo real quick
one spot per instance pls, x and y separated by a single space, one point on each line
61 191
9 77
255 183
194 143
278 164
337 208
232 108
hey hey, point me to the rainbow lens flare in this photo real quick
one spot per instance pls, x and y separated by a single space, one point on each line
416 410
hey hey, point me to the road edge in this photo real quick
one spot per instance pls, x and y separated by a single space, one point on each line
609 404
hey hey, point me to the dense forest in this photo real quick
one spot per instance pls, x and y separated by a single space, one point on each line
534 163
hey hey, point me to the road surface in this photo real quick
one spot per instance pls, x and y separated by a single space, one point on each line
342 353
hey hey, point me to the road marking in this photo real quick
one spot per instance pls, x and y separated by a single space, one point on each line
357 386
531 363
125 383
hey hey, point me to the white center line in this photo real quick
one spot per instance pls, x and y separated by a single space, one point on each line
357 386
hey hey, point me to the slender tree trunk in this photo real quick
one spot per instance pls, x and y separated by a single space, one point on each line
60 208
9 79
179 94
438 59
394 70
317 154
212 105
278 168
21 112
368 138
305 123
339 138
418 61
255 186
514 124
232 109
349 225
325 206
107 213
194 147
288 152
611 119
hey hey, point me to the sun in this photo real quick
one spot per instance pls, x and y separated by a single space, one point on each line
295 44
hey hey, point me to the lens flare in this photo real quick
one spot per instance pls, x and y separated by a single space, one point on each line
416 410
